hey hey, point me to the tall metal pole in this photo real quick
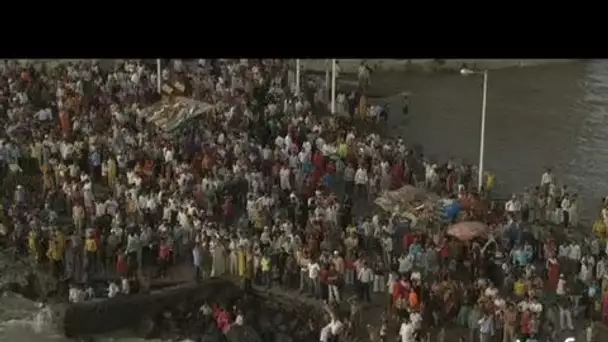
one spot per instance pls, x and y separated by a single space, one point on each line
333 86
297 76
482 138
326 80
159 76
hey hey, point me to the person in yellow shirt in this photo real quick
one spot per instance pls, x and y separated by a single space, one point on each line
257 221
489 183
519 288
343 150
55 255
61 240
90 248
111 173
266 266
241 260
47 177
32 243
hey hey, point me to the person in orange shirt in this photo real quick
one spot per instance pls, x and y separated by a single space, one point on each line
413 299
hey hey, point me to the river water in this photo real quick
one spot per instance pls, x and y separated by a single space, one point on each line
549 116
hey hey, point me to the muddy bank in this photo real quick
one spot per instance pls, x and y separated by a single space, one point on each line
174 313
428 65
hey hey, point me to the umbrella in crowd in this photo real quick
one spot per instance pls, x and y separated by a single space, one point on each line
468 230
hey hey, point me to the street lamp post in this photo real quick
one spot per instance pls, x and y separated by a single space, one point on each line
327 80
158 76
482 138
333 86
297 76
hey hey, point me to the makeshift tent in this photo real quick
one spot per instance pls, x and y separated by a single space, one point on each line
173 113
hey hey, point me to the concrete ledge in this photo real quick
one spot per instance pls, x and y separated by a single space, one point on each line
351 65
104 315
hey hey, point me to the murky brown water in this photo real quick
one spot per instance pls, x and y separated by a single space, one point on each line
553 116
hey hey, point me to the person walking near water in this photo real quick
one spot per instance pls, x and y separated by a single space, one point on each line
196 261
565 207
545 181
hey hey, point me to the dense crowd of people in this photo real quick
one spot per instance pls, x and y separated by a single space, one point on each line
272 189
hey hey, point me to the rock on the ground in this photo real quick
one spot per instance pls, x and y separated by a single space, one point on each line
243 333
19 274
282 338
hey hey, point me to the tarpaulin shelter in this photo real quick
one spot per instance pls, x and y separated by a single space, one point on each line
172 113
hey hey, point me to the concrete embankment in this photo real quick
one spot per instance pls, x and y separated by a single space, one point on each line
351 65
270 313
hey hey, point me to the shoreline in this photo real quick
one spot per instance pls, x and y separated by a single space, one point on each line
350 66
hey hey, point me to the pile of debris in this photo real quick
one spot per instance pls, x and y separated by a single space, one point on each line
415 204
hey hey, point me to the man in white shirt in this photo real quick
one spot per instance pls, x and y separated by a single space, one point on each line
600 268
313 278
565 206
564 251
113 290
76 295
535 306
366 277
406 332
361 181
545 180
574 253
285 178
416 320
513 206
405 263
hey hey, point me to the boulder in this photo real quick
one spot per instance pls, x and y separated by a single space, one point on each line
243 333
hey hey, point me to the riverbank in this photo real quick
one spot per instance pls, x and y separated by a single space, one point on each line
429 65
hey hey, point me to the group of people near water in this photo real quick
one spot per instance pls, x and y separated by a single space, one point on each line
272 189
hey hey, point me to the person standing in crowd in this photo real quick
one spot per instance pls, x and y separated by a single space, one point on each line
365 276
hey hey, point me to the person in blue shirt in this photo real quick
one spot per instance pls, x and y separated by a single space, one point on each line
520 257
95 163
328 180
415 250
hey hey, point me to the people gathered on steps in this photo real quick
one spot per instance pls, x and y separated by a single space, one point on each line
270 189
